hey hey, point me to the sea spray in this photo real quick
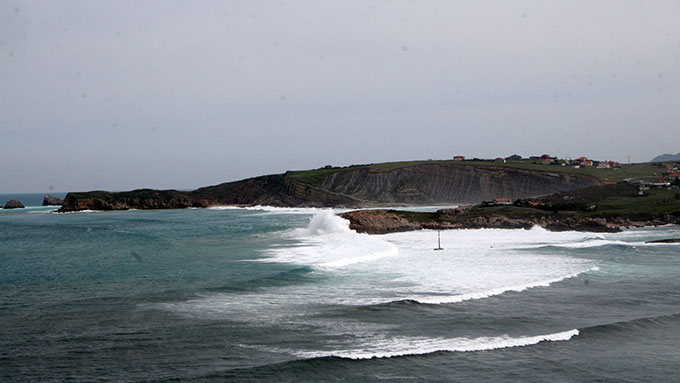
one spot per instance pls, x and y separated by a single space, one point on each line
326 222
328 242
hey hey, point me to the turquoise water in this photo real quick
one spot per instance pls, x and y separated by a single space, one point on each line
294 295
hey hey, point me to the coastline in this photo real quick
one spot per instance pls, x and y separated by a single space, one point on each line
391 221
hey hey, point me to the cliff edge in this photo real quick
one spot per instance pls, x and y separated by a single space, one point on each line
355 186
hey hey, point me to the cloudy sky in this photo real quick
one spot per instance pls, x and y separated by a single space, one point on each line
126 94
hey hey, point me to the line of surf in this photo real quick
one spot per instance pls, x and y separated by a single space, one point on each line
438 299
404 346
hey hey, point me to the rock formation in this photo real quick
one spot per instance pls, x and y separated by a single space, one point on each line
439 183
52 201
450 183
668 240
14 204
390 221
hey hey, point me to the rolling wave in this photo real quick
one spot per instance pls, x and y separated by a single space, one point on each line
634 324
434 299
404 346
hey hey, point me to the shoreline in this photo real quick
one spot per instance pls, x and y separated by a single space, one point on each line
392 221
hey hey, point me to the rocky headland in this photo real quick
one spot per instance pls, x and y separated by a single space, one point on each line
52 201
355 186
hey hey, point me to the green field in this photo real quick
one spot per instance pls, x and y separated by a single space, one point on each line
641 170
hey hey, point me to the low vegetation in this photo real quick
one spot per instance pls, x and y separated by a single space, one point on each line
625 171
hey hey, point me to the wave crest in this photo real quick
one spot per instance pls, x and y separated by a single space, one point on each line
403 346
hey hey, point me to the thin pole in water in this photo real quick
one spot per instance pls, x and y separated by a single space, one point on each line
439 241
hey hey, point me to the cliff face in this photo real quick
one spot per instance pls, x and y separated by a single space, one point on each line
442 183
273 190
136 199
422 184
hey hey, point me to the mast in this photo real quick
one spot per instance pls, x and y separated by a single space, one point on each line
439 241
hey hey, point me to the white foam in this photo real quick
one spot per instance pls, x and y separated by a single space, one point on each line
82 211
401 346
435 299
326 222
270 209
475 264
596 243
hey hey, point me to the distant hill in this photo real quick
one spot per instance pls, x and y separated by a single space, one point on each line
666 157
432 182
412 182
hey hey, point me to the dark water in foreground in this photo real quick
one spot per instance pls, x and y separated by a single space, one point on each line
265 295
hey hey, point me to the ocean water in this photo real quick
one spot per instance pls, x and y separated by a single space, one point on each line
290 295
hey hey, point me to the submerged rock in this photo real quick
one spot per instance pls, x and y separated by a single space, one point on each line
14 204
669 240
51 200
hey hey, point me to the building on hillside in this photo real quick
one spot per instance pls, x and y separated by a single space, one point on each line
499 159
545 159
502 201
661 183
458 158
513 157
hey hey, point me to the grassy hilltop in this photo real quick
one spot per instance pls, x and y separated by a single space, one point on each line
625 171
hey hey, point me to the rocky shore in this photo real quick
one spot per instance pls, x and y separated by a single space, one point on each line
390 221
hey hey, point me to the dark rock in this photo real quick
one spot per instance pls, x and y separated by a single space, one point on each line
390 221
669 240
14 204
51 201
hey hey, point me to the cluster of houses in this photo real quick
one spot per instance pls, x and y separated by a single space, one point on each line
547 159
669 176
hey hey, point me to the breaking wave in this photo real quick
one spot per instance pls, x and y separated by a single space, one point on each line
403 346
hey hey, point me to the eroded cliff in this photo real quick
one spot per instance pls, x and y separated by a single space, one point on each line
450 183
348 187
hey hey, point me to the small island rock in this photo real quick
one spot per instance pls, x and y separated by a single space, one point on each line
51 200
669 240
14 204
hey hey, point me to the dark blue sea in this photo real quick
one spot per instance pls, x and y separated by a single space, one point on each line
293 295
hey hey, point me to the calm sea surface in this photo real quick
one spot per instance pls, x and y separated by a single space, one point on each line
224 294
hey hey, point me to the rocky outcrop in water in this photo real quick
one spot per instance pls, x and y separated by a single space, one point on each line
136 199
669 240
391 221
14 204
52 201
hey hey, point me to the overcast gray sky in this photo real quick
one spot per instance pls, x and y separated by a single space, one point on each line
180 94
